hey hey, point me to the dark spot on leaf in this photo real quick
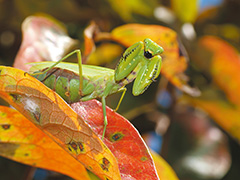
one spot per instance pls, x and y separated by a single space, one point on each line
105 164
116 136
144 158
26 154
78 147
9 149
73 145
6 126
14 96
81 147
167 34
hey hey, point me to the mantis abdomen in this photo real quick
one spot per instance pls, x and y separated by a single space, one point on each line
66 84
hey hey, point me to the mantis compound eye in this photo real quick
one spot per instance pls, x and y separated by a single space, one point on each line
152 47
147 54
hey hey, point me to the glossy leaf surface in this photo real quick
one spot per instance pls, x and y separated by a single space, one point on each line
134 159
22 141
44 38
51 114
105 53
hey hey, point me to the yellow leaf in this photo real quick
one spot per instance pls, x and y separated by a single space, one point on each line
186 10
126 8
165 171
22 141
105 53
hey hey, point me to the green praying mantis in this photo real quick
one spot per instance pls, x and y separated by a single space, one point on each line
78 82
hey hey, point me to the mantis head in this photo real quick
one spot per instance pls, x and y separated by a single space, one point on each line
141 61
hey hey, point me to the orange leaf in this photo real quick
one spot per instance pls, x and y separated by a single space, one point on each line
131 33
22 141
89 43
173 64
54 117
225 114
225 65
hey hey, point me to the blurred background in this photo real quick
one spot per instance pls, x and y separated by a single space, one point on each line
198 134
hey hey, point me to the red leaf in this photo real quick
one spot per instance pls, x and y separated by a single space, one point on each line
134 159
44 38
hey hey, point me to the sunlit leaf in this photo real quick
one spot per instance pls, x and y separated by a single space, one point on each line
224 66
89 43
185 10
22 141
44 38
102 54
105 53
122 139
54 117
126 9
164 170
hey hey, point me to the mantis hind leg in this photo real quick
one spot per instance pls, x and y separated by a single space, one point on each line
104 116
